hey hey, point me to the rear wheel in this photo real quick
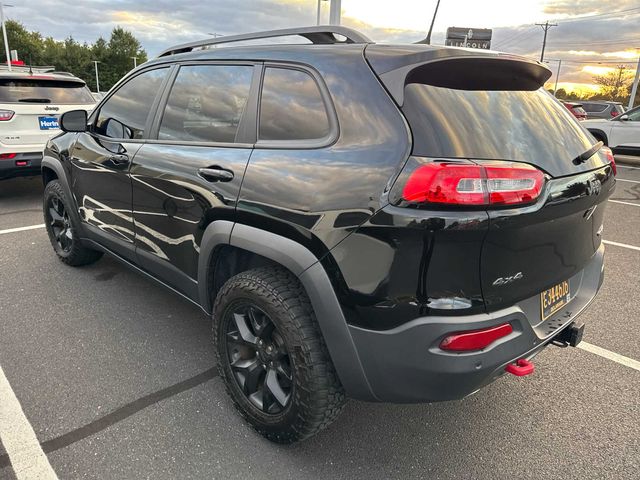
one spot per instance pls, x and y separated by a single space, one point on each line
272 357
62 230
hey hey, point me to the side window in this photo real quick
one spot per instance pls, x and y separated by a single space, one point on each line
634 115
291 107
206 103
124 114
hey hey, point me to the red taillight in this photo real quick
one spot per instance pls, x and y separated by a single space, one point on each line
7 156
475 339
610 158
477 184
6 115
614 113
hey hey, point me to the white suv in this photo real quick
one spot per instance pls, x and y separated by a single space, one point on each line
621 134
30 105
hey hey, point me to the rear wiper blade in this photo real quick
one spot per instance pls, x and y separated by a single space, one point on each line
35 100
583 157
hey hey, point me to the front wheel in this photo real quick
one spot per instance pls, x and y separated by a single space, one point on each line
62 229
272 357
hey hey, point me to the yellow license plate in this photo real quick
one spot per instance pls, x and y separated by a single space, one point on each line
554 299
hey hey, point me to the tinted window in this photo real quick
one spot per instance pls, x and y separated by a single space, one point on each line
594 107
44 91
291 107
125 113
527 126
634 115
206 103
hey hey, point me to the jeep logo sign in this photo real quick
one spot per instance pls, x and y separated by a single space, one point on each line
469 37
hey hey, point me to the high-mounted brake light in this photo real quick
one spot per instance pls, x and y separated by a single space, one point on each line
490 183
7 156
475 339
6 115
610 158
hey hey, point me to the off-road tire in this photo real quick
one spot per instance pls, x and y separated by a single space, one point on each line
75 254
317 397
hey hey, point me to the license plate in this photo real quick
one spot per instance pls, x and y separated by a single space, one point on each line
48 123
554 299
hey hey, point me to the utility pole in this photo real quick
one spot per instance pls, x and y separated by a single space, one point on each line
545 26
135 62
555 87
96 62
634 89
335 12
319 11
4 34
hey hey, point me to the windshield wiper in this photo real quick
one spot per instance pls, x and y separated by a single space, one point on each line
35 100
583 157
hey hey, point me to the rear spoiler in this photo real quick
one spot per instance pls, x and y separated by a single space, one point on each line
455 68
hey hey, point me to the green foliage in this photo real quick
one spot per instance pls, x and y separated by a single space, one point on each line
115 55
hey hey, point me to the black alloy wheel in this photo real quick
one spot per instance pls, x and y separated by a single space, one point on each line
58 219
258 358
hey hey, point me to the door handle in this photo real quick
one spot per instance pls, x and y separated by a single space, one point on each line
119 159
216 174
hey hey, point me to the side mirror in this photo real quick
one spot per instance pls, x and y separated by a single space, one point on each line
623 118
74 121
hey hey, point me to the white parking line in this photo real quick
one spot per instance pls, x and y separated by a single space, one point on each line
21 229
616 357
28 460
625 180
625 203
618 244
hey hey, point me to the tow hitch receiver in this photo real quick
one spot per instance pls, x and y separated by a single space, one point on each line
572 335
521 368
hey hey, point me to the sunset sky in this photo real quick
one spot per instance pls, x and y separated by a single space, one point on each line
592 36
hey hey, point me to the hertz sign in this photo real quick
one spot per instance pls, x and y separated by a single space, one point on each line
469 37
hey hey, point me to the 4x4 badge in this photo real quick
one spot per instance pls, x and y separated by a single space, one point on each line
501 281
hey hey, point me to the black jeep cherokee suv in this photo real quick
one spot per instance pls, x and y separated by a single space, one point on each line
396 223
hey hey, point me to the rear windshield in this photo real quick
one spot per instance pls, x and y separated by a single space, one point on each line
526 126
44 91
594 107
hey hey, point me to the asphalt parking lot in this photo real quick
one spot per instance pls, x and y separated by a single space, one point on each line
117 378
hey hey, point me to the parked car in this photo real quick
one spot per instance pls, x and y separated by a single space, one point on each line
602 109
621 133
30 105
360 220
576 109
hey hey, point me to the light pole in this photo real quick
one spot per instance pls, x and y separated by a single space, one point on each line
334 12
96 62
634 89
319 11
135 62
4 34
555 87
214 35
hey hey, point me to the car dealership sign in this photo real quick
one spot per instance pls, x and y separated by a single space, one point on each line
469 37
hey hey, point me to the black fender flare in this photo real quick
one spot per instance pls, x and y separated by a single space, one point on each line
302 263
597 131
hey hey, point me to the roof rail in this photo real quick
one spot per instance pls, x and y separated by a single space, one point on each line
321 34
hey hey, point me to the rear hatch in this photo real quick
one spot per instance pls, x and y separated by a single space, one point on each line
489 113
30 106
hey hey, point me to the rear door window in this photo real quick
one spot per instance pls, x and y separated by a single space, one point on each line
44 91
124 114
594 107
291 107
206 103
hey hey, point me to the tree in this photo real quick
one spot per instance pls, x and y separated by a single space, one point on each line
616 85
115 55
561 93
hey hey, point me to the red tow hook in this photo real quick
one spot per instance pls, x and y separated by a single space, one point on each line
521 368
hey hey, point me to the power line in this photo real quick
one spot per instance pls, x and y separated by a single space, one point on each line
545 26
598 15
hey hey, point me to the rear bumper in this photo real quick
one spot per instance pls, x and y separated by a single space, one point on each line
24 164
406 365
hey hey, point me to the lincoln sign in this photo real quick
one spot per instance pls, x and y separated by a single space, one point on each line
469 37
